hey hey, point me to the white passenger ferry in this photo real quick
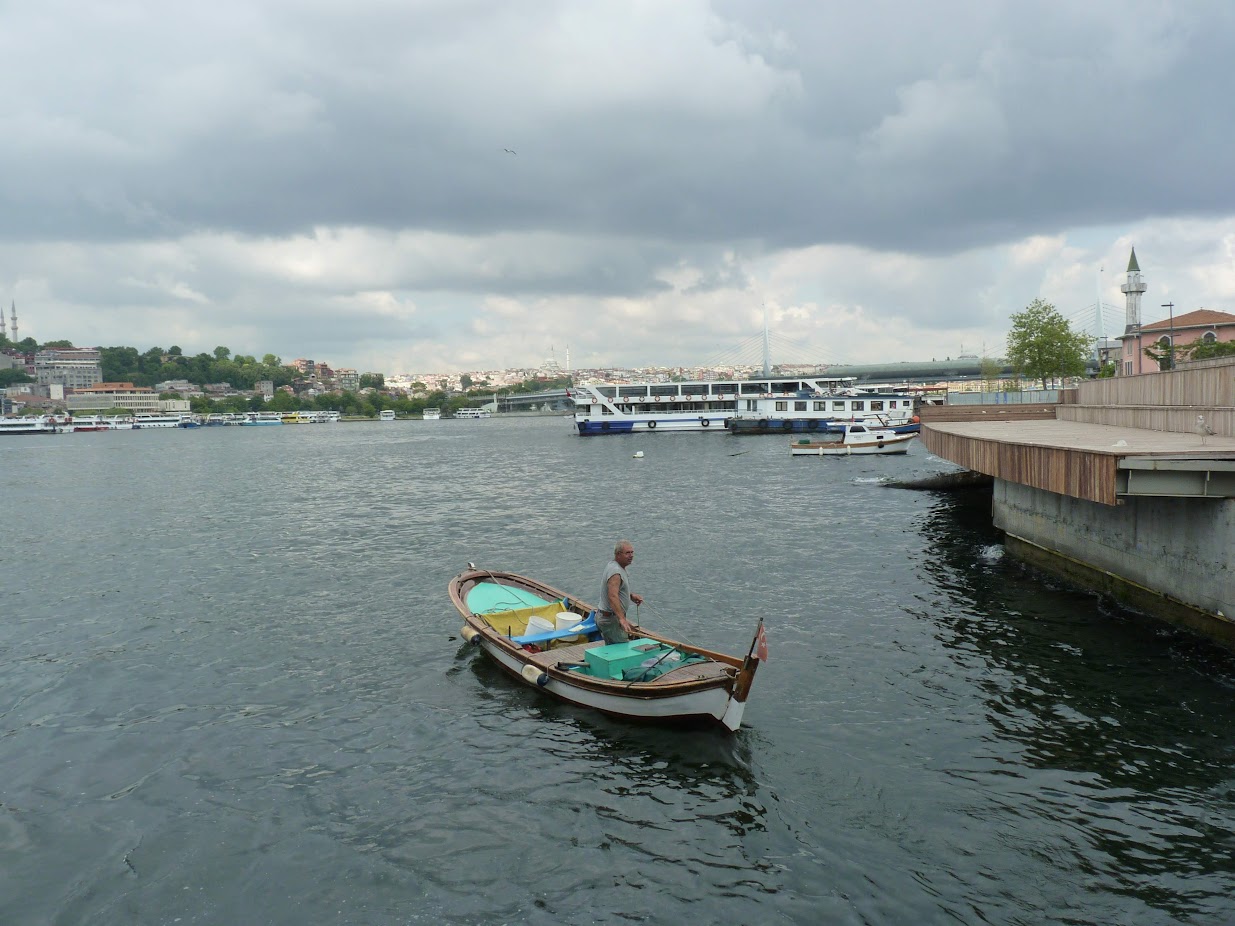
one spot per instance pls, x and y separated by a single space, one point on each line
473 413
34 424
818 412
700 405
431 414
386 414
141 422
261 419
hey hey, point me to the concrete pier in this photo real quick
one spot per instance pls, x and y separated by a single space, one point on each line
1168 557
1127 487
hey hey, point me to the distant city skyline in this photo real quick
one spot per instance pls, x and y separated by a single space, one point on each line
888 182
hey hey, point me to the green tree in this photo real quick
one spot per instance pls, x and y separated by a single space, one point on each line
374 380
15 375
53 345
465 382
222 353
989 370
1042 345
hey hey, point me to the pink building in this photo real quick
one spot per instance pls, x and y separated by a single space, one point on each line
1201 325
1188 328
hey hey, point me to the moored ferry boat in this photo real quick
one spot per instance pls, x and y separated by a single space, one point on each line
700 405
473 413
431 414
386 414
35 424
142 422
818 412
259 419
89 423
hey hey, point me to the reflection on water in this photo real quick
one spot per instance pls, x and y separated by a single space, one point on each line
234 693
1122 716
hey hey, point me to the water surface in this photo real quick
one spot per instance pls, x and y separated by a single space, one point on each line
234 693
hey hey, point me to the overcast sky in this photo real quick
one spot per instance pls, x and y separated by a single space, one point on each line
329 179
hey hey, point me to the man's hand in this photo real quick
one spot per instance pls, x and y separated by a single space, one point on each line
637 599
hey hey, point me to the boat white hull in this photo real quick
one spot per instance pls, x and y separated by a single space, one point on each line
714 704
837 449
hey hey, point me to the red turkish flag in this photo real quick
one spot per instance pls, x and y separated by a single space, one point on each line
761 645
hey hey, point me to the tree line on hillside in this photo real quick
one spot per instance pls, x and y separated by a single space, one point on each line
241 372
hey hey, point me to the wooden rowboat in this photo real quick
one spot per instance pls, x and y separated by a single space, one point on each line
651 679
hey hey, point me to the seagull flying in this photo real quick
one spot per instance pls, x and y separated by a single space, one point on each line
509 151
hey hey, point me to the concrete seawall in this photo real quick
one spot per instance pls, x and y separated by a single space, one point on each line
1168 557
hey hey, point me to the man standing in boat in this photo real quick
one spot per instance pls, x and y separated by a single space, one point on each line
613 619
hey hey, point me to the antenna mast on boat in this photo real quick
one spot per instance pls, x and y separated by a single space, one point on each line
767 351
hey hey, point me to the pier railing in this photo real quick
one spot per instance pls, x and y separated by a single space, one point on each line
1192 398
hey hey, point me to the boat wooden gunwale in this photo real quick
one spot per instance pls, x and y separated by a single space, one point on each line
857 440
713 691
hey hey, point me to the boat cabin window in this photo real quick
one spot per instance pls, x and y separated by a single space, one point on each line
859 405
632 392
752 405
724 388
876 405
821 406
838 405
782 406
799 406
606 410
671 389
607 391
754 388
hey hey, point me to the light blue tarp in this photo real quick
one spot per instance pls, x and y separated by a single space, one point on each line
488 597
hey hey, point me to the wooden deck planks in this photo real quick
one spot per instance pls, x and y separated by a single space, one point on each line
1066 457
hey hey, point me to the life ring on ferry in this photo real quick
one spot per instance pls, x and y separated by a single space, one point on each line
703 422
651 425
763 424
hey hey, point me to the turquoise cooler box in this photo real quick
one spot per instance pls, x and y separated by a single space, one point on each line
609 661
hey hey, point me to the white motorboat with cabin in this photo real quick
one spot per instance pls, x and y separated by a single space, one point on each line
431 414
386 414
698 405
858 440
473 413
819 412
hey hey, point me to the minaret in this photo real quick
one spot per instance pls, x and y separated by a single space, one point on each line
2 331
14 309
1132 293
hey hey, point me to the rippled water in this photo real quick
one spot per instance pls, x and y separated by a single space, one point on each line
233 693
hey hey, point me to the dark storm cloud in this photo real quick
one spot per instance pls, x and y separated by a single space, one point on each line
903 125
257 161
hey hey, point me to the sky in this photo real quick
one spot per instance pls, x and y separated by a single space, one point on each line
434 185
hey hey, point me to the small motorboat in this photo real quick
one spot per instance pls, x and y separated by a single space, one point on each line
548 640
857 439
